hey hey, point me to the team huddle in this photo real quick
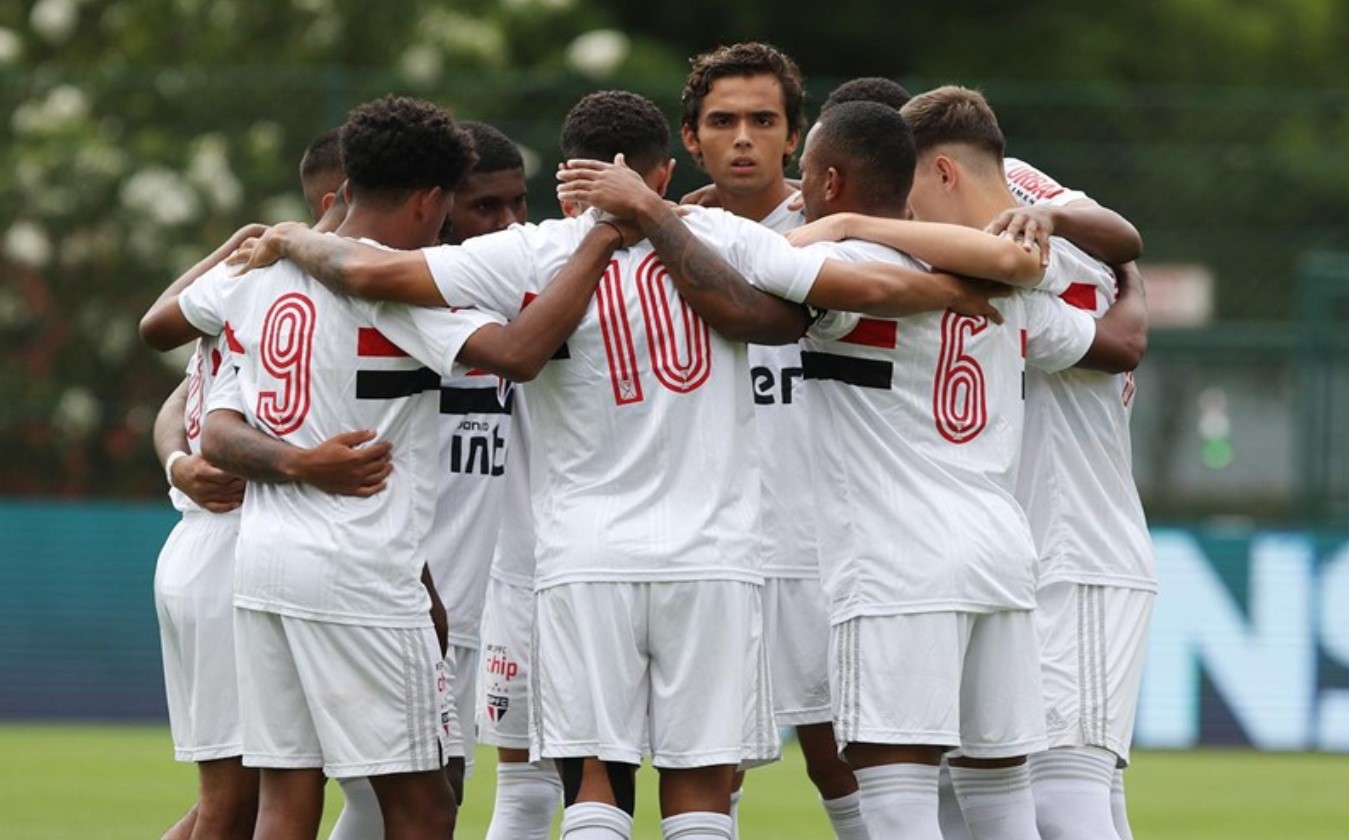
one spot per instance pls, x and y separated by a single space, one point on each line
650 481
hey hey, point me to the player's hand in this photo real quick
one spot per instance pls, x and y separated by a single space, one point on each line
1030 227
974 297
706 196
830 228
261 251
612 187
797 202
210 487
627 228
344 465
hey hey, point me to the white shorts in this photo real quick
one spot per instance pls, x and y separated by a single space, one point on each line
461 664
683 660
354 700
796 627
503 698
194 588
962 680
1093 642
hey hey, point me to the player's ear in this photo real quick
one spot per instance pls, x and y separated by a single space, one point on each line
792 139
663 180
833 184
327 201
691 144
571 209
946 170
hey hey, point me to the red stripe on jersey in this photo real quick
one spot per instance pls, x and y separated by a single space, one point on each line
529 298
231 342
372 342
1080 295
873 333
477 372
216 359
1023 344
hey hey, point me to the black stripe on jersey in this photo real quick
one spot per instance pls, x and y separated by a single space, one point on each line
864 373
563 352
473 401
392 384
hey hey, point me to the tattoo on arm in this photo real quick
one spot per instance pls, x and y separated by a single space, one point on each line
236 447
326 258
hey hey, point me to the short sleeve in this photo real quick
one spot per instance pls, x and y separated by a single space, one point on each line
492 272
203 302
768 261
1057 335
1071 266
431 335
1031 186
225 391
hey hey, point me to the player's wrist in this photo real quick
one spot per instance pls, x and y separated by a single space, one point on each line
170 462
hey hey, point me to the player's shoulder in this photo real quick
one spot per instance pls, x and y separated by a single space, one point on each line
860 250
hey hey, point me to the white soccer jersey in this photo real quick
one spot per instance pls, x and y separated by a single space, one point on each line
202 369
513 561
475 425
1076 481
919 425
1031 186
310 365
642 465
782 421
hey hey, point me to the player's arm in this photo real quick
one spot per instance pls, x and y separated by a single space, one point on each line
895 291
953 248
440 619
1122 332
1098 230
343 464
163 326
518 350
345 266
211 488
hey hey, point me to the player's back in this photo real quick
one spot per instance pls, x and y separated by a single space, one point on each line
642 462
311 366
1076 478
920 424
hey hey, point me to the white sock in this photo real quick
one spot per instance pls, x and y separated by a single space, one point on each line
697 825
595 821
736 796
527 797
997 804
1072 793
900 801
361 818
845 816
948 807
1118 811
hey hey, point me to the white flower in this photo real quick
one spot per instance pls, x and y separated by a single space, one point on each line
54 20
11 46
63 106
162 195
209 171
598 53
13 311
539 5
77 413
117 339
28 244
421 63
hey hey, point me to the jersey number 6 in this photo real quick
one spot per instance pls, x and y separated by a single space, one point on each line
959 393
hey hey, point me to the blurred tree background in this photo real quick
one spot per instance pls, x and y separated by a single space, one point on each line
141 133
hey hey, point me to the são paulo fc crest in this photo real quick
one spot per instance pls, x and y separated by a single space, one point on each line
497 705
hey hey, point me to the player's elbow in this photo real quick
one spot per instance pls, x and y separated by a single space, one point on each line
1118 355
158 333
1017 267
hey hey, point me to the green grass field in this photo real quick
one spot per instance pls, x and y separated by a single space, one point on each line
120 783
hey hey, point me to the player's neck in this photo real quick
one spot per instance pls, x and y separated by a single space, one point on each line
385 228
756 206
985 202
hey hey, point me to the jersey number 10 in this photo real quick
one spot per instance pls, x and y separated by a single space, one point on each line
678 372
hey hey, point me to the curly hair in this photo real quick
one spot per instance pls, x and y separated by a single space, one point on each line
395 145
496 152
868 89
743 60
608 122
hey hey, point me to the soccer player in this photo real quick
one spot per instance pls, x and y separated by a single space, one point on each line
743 116
343 672
321 173
968 579
645 484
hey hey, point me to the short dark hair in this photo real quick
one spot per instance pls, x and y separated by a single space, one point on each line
742 60
954 114
395 145
610 122
496 151
873 144
322 156
868 89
